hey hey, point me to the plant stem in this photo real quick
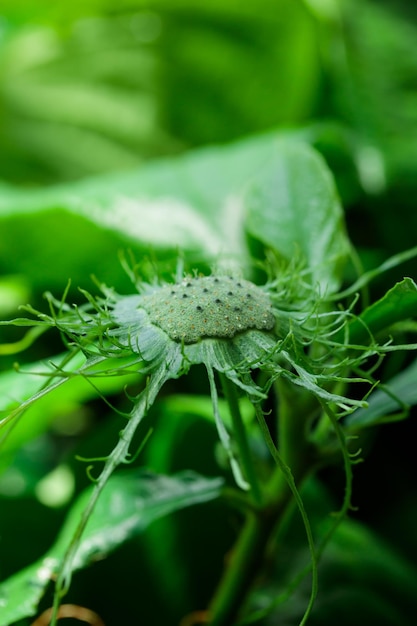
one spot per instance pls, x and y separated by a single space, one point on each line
294 406
243 567
248 555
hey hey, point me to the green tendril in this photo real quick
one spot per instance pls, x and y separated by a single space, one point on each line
286 471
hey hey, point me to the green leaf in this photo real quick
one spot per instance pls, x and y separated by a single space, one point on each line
359 573
45 399
194 202
363 575
398 304
294 209
390 401
130 502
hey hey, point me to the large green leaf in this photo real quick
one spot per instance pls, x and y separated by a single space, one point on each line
195 203
398 304
130 502
293 208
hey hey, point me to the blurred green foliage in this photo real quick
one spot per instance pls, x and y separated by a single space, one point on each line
86 91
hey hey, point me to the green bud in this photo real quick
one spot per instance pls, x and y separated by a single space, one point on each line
209 307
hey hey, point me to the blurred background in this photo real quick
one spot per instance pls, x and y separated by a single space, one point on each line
98 86
94 89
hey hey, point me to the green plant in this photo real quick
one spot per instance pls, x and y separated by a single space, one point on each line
295 356
168 459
